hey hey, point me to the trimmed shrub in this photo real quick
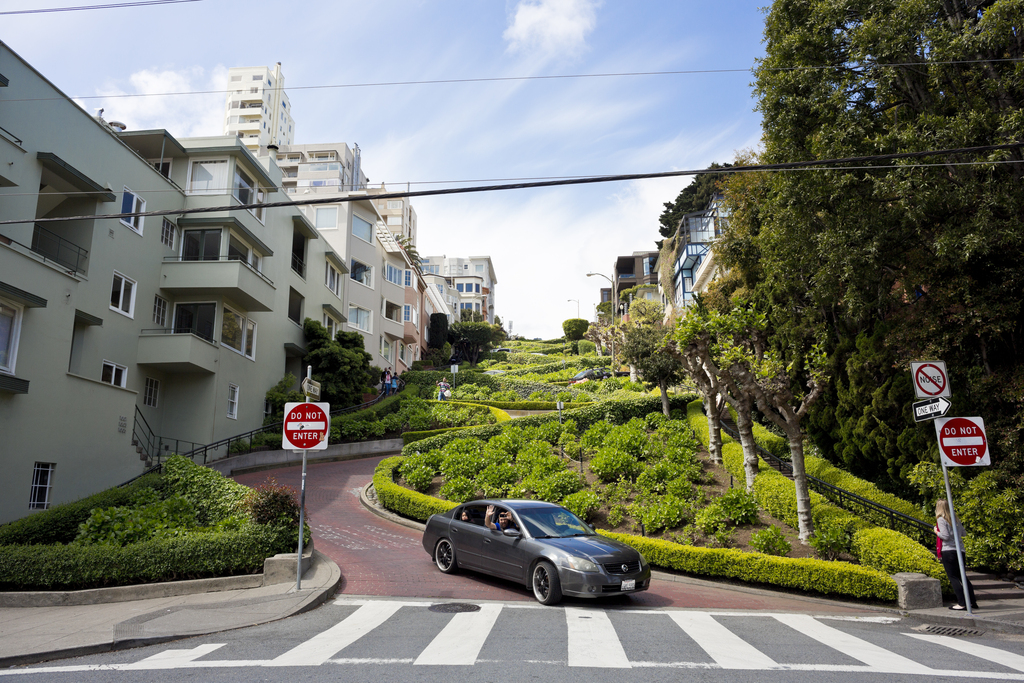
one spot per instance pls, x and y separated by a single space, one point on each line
582 504
739 506
123 525
214 496
400 499
770 541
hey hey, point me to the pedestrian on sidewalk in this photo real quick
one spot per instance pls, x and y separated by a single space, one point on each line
950 562
387 382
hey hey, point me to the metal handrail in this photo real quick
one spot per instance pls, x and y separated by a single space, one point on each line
298 265
241 444
153 445
892 519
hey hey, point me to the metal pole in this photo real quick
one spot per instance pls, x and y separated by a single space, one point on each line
956 541
302 505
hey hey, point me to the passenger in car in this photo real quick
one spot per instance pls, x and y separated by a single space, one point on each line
504 520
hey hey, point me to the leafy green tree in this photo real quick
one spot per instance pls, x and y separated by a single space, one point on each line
643 347
575 328
472 339
341 365
693 197
285 391
438 331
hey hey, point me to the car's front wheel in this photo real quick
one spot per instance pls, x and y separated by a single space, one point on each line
444 556
546 586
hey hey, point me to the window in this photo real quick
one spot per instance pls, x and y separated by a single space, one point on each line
479 269
159 310
162 167
440 288
151 393
408 278
459 286
132 203
333 281
233 401
401 352
232 329
236 78
114 374
208 177
42 484
240 251
326 218
362 229
407 313
392 311
197 319
392 274
250 340
200 245
431 270
477 308
257 78
245 190
295 301
394 220
361 273
10 330
122 295
331 325
385 349
359 318
167 234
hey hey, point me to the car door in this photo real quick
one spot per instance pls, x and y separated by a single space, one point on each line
468 536
505 555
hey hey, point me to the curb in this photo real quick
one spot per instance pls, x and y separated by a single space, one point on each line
145 591
364 498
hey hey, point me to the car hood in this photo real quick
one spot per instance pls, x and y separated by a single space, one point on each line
596 548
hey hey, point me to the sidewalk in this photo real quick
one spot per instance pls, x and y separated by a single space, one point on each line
34 634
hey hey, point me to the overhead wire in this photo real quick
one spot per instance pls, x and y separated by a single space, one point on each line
845 161
113 5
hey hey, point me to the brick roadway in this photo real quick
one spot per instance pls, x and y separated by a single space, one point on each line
379 557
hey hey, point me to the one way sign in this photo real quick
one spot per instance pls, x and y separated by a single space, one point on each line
931 409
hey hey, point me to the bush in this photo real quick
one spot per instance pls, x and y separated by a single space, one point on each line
401 500
123 525
459 489
582 504
214 496
770 541
739 506
585 346
273 503
60 524
610 464
831 542
659 513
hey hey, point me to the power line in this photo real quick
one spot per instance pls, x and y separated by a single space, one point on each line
498 79
828 163
116 5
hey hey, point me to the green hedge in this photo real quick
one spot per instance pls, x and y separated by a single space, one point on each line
580 362
818 576
401 500
890 551
520 405
193 556
59 524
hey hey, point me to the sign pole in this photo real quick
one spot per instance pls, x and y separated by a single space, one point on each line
302 504
956 541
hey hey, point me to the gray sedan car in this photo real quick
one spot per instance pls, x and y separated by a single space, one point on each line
540 545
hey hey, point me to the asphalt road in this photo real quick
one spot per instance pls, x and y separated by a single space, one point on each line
410 640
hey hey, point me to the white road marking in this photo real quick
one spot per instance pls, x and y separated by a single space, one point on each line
325 645
174 659
722 645
992 654
460 641
878 658
592 640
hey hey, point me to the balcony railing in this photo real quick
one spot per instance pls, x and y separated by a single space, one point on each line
216 259
54 248
205 334
298 265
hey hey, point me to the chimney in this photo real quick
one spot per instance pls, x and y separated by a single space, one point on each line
272 149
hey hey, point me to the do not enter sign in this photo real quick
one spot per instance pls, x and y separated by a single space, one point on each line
962 441
306 426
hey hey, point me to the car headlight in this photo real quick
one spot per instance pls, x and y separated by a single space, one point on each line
643 562
580 564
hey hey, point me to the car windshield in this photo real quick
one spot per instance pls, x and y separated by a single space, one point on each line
579 375
553 523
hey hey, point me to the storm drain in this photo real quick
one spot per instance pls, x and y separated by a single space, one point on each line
453 607
949 630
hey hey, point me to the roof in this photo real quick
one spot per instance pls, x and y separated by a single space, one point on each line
514 504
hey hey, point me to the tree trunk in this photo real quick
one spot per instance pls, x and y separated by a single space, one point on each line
663 385
803 495
745 424
714 411
632 373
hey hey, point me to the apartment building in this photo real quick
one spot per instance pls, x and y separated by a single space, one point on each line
695 266
320 169
473 279
398 214
257 109
639 268
121 333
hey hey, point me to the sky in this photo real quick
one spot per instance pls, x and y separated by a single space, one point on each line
542 242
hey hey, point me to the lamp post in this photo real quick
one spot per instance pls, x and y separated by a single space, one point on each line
612 283
577 306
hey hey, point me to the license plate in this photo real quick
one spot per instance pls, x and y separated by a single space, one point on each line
629 585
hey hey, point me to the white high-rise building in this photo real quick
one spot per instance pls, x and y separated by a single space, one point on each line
257 109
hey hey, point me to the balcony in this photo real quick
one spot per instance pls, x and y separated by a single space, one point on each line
178 352
59 250
226 276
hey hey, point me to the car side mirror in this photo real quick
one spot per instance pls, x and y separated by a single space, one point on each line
516 533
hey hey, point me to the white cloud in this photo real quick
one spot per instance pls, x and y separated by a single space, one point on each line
548 28
182 115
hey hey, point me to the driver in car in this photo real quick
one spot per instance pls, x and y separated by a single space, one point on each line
504 521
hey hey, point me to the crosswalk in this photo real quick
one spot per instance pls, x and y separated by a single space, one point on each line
392 632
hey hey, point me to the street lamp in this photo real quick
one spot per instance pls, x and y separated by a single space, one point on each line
577 306
612 283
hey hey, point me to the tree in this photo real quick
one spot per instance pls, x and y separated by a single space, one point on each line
285 391
575 328
693 197
437 334
643 346
341 365
468 315
410 250
472 339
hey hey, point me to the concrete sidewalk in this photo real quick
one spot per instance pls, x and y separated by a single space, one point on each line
34 634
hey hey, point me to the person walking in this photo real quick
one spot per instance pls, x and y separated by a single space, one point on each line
383 381
950 562
387 382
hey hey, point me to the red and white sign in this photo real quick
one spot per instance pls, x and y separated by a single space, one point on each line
930 379
962 441
306 426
